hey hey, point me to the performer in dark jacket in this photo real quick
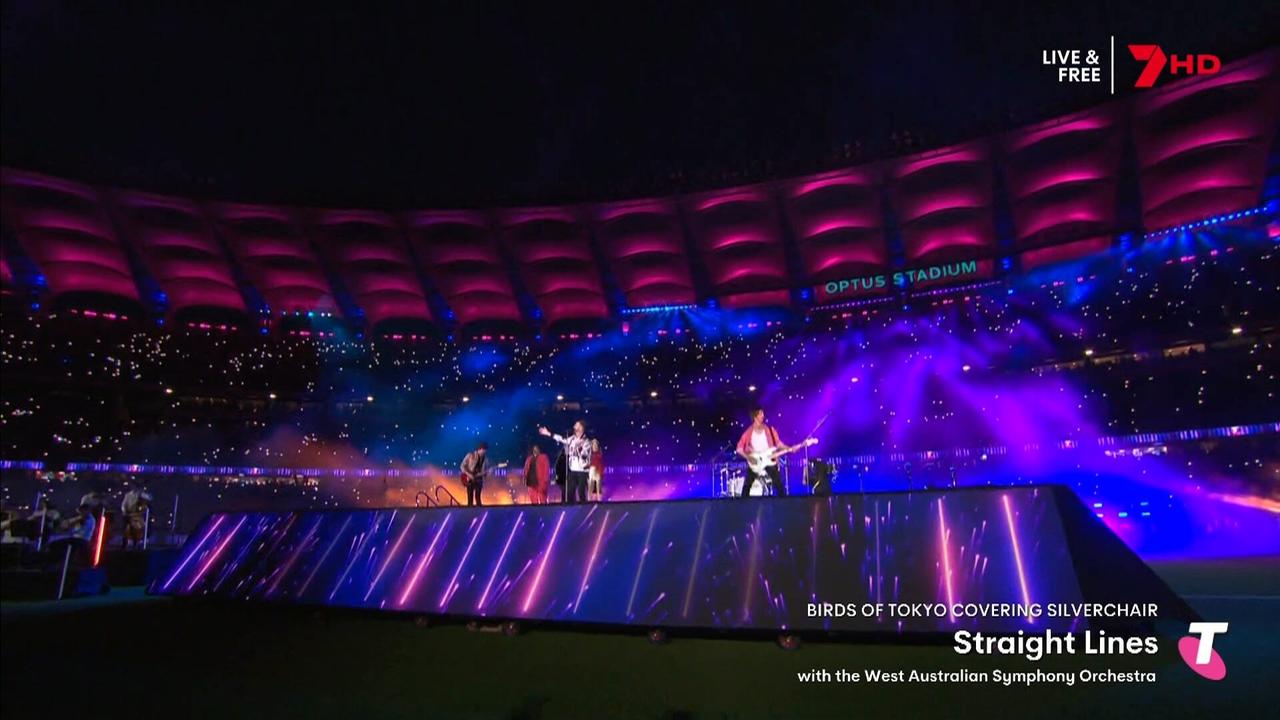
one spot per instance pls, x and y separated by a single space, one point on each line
473 466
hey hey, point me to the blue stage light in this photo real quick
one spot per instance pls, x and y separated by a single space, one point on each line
1215 220
654 309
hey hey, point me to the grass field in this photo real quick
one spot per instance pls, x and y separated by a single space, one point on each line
125 654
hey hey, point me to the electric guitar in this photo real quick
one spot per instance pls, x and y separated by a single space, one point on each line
758 461
468 478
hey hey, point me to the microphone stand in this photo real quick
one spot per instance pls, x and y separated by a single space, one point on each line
804 475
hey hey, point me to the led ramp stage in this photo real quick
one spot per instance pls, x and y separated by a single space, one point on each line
708 564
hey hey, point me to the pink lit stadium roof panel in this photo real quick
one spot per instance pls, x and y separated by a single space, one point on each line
460 253
176 243
943 201
369 253
646 251
278 257
67 233
1063 176
740 240
1202 143
837 221
553 253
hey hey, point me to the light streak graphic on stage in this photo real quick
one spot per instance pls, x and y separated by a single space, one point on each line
671 563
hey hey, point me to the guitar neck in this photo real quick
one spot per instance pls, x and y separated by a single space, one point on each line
792 448
487 470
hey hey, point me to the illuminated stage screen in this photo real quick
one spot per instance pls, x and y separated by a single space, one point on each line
730 564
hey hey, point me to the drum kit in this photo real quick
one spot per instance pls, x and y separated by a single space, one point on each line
729 477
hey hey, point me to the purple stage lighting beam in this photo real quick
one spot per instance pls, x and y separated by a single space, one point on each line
946 561
356 555
595 550
754 552
288 566
423 563
1017 555
498 565
208 533
537 580
453 582
394 549
324 557
644 553
693 572
214 556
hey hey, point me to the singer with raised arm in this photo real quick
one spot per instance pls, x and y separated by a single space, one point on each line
577 448
761 447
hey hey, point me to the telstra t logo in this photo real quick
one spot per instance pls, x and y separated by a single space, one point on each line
1198 653
1178 65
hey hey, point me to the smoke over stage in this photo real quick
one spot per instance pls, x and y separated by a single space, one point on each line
887 563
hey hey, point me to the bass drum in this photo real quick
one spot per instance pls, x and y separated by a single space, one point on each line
734 485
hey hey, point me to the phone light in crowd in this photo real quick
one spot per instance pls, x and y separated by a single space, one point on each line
1237 330
653 393
559 398
368 398
1088 352
466 399
272 396
751 388
168 391
965 368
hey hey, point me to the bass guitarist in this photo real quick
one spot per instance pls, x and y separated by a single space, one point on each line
761 447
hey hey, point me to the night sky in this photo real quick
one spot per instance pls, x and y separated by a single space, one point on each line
478 103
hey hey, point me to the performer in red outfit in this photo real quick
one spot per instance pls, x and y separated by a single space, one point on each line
537 475
595 474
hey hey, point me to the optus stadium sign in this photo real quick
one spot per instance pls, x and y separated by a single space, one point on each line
931 274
